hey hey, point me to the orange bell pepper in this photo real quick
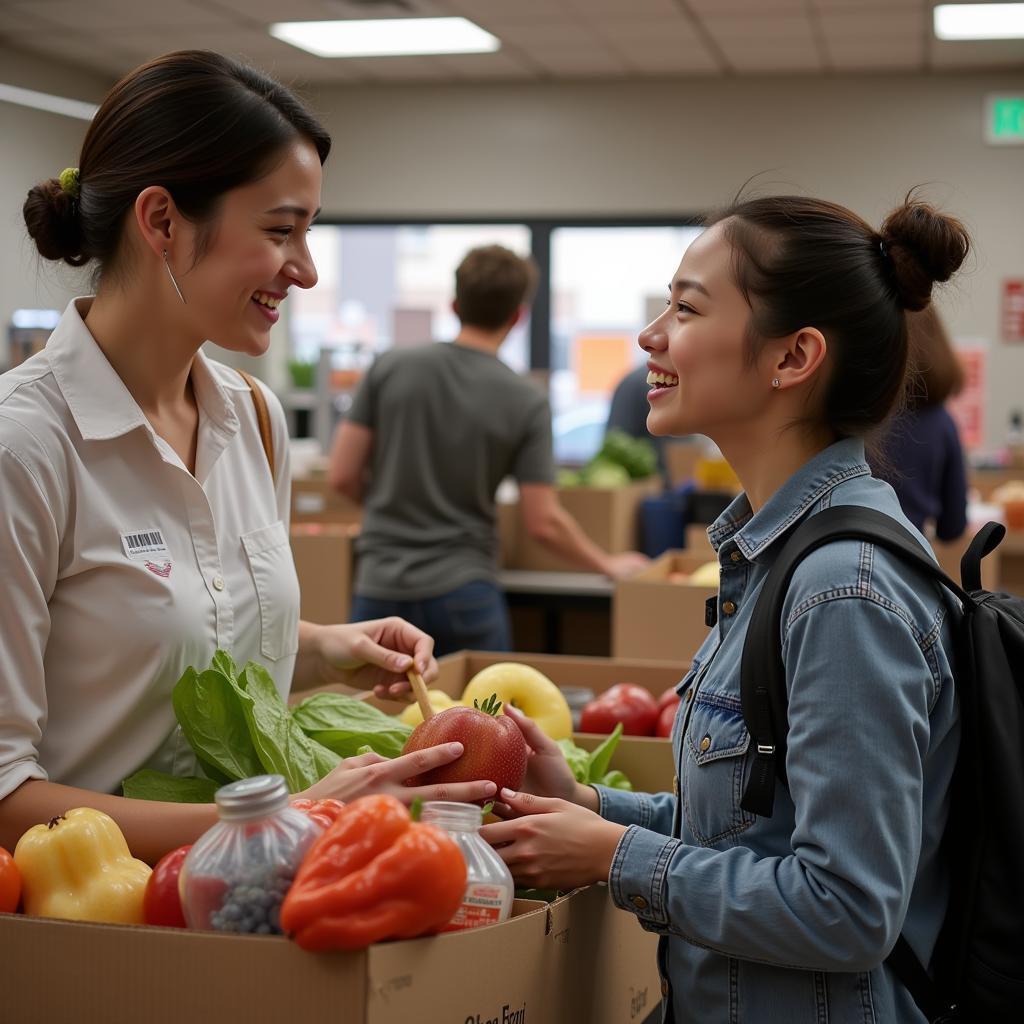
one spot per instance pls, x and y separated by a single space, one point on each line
375 874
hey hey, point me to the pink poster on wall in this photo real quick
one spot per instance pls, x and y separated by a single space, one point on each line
968 408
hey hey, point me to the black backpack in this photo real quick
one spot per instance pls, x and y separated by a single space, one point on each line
977 972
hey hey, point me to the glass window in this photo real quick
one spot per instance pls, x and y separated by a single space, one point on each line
607 283
382 286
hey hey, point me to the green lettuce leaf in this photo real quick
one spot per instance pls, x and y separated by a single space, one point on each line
346 725
601 757
578 758
281 746
152 785
617 780
211 710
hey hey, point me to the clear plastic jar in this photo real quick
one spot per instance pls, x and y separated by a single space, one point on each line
489 886
577 697
235 877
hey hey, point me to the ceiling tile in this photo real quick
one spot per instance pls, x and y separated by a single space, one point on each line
766 30
577 63
746 8
990 53
269 11
623 9
83 52
511 10
398 69
859 5
909 49
486 65
752 58
673 60
874 22
563 34
108 14
660 32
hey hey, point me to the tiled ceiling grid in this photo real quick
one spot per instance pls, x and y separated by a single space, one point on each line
542 40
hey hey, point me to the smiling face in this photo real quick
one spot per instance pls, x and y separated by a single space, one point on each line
255 253
702 381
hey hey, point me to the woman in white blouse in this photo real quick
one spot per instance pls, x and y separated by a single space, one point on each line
142 525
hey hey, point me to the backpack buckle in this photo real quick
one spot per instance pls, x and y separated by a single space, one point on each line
763 748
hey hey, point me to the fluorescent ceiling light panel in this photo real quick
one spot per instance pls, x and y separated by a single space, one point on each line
44 101
979 21
386 37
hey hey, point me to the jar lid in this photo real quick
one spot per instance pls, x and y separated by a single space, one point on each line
450 815
252 798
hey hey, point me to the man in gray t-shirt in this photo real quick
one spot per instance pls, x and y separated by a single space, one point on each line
431 433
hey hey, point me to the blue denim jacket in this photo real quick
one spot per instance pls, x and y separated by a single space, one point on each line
788 919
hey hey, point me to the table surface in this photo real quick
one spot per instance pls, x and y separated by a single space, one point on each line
574 584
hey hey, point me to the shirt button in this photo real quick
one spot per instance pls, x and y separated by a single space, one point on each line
705 744
639 902
689 695
664 987
729 607
675 786
736 556
218 582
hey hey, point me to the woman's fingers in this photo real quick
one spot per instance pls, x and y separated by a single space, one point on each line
361 761
532 733
460 792
419 761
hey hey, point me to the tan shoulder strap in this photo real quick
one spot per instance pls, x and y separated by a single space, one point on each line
263 419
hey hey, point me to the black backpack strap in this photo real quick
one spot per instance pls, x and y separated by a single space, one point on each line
915 979
986 540
762 674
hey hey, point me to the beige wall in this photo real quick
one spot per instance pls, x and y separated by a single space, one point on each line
658 147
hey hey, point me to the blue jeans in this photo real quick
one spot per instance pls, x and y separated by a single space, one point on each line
472 617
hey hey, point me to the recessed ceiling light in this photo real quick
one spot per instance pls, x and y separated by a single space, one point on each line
979 21
386 37
45 101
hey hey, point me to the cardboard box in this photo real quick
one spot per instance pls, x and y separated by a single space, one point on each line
609 516
324 560
314 501
655 618
985 481
536 967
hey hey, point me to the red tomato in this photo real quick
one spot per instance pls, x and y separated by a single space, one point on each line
668 697
10 883
602 715
161 904
665 719
323 812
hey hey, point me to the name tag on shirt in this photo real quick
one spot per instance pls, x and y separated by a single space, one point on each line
146 546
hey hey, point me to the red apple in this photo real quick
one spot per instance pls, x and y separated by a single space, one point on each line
161 903
619 704
494 747
668 697
665 720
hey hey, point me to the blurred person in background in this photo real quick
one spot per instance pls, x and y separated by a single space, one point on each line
431 434
629 409
921 455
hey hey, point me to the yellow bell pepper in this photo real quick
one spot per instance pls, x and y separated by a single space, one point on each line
78 866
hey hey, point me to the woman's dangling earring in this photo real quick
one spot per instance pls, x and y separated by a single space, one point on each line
175 283
776 383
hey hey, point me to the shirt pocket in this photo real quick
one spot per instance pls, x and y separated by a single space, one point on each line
277 589
714 767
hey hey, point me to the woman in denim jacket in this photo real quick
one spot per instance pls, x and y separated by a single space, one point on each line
785 341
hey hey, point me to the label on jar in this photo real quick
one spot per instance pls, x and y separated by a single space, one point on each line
482 904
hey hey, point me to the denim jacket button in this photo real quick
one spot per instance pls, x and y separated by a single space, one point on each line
688 696
639 902
664 987
736 556
705 744
675 786
729 607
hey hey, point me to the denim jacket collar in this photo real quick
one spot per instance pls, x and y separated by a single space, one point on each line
754 534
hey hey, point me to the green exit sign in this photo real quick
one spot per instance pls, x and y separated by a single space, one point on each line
1004 120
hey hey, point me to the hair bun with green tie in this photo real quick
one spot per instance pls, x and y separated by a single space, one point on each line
70 181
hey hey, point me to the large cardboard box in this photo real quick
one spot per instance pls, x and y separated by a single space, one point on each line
653 617
315 501
536 968
609 516
323 561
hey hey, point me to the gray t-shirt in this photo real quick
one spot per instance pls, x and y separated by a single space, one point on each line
449 424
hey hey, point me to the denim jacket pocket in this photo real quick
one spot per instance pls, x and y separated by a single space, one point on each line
714 768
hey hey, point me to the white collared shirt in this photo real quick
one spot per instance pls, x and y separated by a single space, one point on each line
119 568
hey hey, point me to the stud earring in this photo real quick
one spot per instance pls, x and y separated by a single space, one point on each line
776 383
175 283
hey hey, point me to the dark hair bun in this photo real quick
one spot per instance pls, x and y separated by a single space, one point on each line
925 246
51 216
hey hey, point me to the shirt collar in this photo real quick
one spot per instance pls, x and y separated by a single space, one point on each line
754 533
101 405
